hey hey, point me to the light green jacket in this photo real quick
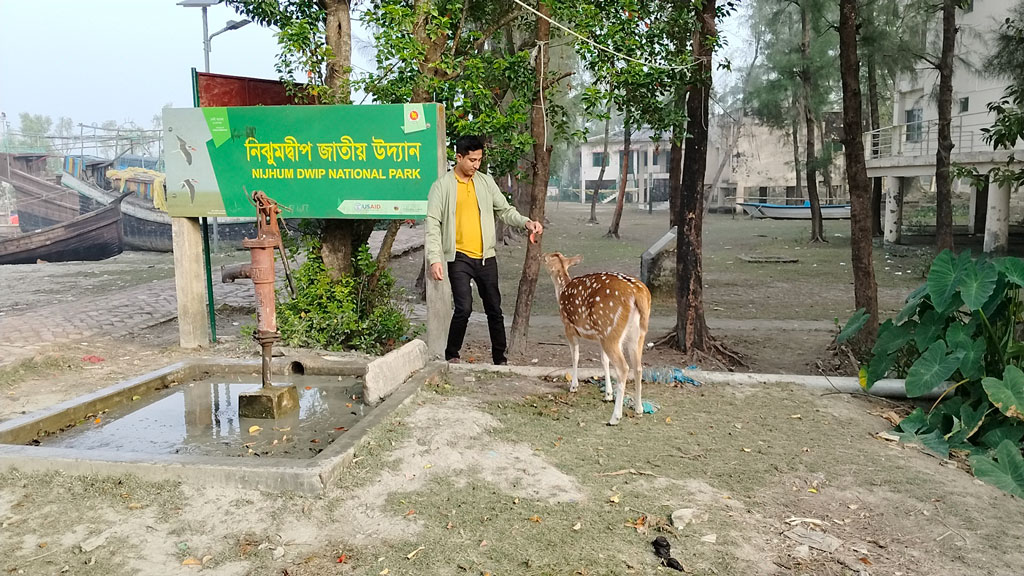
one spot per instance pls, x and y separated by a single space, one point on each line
441 215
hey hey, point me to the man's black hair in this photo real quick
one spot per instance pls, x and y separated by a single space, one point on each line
466 144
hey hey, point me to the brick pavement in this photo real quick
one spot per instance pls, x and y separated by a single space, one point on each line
26 333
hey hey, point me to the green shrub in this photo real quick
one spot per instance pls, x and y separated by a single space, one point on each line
959 332
345 314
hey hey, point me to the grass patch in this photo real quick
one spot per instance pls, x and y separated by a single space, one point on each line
50 364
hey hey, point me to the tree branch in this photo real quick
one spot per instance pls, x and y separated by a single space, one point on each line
924 57
552 81
458 31
497 26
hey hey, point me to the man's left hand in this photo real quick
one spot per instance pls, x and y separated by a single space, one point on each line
535 227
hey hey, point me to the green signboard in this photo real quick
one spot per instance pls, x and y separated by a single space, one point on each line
373 161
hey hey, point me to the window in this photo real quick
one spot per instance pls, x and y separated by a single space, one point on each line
914 116
965 103
654 159
597 157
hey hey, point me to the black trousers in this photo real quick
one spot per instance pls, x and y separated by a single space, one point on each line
485 274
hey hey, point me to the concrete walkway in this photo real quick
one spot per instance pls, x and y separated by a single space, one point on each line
24 334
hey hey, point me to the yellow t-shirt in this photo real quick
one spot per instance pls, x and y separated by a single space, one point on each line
468 237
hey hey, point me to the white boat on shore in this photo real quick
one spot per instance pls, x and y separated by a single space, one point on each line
795 212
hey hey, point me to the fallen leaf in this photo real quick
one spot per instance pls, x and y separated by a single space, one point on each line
136 398
348 405
96 421
42 544
427 466
668 420
865 561
745 449
384 571
812 490
254 430
315 441
410 513
191 561
710 538
342 558
135 506
577 526
794 521
483 543
206 559
413 554
340 429
615 498
449 526
796 417
852 506
536 519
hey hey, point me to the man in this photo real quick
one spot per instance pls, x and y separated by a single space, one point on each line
460 233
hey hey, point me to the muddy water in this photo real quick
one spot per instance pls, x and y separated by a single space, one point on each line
201 418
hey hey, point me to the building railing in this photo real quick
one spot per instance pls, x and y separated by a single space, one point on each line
921 138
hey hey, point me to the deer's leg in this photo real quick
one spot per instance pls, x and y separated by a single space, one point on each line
608 397
635 342
574 346
613 348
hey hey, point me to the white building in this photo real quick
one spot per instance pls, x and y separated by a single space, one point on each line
904 154
747 161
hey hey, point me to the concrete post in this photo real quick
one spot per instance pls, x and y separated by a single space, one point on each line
189 283
439 294
893 209
997 218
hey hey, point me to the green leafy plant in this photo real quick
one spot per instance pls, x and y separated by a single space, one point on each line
346 314
960 333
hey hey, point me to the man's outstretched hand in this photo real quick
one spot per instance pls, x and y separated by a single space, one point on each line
535 229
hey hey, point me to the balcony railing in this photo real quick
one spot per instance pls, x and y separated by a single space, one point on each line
921 138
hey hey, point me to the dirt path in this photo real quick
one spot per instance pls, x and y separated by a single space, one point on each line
515 476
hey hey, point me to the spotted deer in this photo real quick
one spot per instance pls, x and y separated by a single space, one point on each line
612 309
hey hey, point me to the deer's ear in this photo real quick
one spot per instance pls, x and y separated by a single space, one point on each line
574 260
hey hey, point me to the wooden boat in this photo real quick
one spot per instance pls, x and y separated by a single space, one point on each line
795 212
93 236
146 227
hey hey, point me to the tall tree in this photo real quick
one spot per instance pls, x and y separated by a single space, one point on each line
943 178
806 81
624 167
604 165
539 189
864 287
691 332
315 39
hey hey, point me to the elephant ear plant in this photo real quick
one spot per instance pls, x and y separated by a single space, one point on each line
960 333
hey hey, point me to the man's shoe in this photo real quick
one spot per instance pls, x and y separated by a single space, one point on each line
454 361
501 363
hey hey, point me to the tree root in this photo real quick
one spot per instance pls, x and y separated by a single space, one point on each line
716 354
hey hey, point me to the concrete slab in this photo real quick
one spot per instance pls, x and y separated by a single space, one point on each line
310 476
385 374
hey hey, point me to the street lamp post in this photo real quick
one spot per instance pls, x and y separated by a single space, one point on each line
231 25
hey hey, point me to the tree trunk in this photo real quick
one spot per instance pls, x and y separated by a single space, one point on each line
675 174
675 157
692 333
384 256
620 202
943 180
541 170
338 33
817 226
340 239
796 152
604 164
826 167
877 199
865 291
